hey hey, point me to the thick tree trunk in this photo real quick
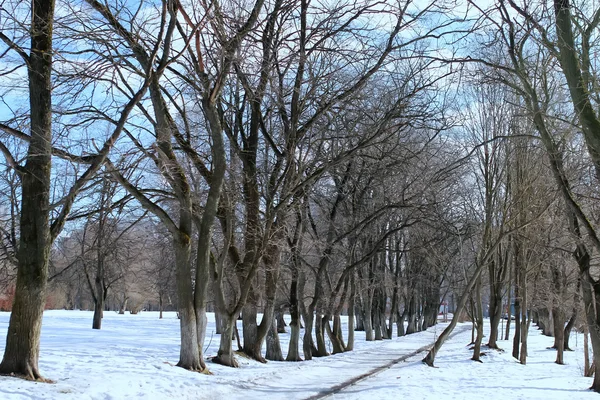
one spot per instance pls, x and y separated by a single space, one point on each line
320 336
279 316
189 353
225 354
307 343
334 334
499 275
273 346
376 313
400 324
249 326
22 349
559 339
271 261
412 317
293 349
98 310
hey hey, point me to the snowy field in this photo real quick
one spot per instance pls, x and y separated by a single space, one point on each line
133 357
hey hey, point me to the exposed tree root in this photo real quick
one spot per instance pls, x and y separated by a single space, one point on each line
226 360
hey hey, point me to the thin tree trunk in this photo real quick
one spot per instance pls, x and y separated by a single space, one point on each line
350 343
478 314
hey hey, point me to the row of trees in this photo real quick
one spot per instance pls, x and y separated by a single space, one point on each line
291 156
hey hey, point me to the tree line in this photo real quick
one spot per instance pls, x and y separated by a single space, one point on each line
371 159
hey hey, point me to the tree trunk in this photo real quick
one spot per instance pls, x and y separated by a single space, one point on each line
559 339
22 349
573 318
249 325
368 322
272 265
280 322
517 337
412 317
320 336
307 345
218 323
98 310
225 354
400 323
460 307
478 319
335 334
189 353
160 306
508 304
524 315
273 346
293 349
350 343
587 370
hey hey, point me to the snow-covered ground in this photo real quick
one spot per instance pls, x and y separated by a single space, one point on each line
133 357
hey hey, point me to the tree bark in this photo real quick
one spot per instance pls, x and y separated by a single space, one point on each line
225 354
21 354
273 346
478 319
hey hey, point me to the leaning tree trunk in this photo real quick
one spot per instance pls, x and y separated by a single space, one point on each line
335 334
460 307
21 354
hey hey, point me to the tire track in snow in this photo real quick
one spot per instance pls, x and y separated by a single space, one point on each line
353 381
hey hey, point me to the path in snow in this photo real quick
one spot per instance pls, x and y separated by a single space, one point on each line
336 390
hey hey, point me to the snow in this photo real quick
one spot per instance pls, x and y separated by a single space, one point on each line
133 357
